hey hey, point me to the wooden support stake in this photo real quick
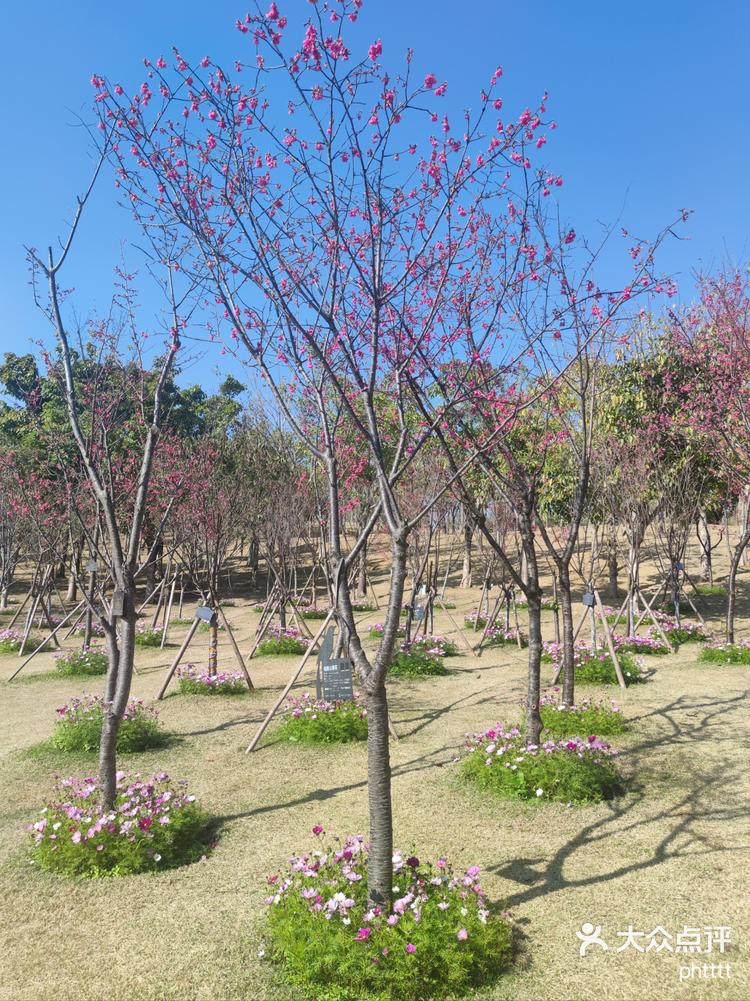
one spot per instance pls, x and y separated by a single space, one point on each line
168 614
237 653
459 632
178 658
264 725
45 640
610 644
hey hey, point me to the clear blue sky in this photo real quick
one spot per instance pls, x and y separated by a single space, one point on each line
650 100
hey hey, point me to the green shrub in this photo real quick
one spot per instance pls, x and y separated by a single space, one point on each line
314 613
81 662
79 726
149 637
725 653
572 770
11 640
582 719
440 939
598 669
416 663
307 720
154 825
195 681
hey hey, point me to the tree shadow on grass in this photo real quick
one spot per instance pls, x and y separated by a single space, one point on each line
422 762
543 876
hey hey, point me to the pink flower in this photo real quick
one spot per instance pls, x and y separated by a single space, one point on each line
410 948
429 81
462 935
363 934
375 49
318 830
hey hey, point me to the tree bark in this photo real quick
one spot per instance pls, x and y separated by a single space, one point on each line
468 530
704 538
568 651
380 862
612 564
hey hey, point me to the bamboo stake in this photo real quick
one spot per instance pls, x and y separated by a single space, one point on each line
45 640
272 712
236 649
178 658
610 644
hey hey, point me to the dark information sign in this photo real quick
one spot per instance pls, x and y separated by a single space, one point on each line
338 681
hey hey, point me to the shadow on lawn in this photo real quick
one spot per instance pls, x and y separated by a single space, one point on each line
702 802
421 763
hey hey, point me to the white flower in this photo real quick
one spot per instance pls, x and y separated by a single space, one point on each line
157 857
540 792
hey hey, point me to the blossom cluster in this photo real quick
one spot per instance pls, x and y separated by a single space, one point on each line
307 705
77 833
378 628
194 680
651 643
507 747
430 646
91 707
552 700
328 882
278 632
10 639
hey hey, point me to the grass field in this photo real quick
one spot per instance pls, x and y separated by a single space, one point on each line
674 851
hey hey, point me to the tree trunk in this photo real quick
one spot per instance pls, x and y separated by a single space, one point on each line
468 530
213 649
568 651
734 566
3 599
362 584
704 538
612 565
533 718
121 654
380 863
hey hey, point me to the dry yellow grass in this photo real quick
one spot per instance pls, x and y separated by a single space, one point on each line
673 852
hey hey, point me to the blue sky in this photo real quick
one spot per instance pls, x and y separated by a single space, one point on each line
649 99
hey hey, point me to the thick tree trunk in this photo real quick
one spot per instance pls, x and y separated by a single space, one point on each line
533 692
734 566
121 654
568 659
380 863
3 599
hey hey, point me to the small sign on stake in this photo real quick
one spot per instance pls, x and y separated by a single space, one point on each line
588 599
91 566
206 614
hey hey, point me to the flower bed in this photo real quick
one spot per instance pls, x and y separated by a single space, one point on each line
439 938
422 657
79 726
548 604
146 636
281 641
726 653
154 825
573 770
307 720
362 606
685 632
313 612
11 640
97 629
81 662
595 668
378 628
193 680
500 636
582 719
650 645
